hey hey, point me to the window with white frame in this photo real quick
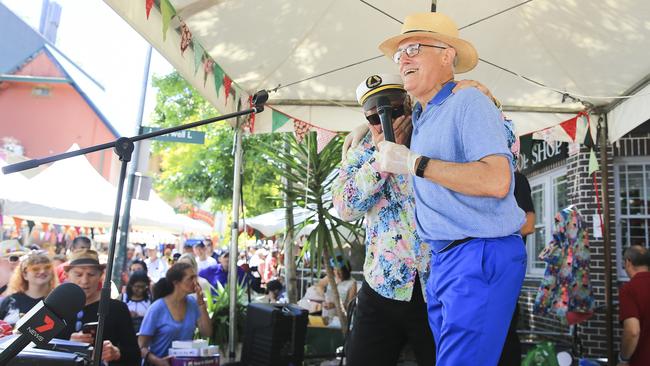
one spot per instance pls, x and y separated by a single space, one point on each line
549 193
632 182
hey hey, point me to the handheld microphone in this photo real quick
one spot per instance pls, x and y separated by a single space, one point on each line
45 320
384 109
259 99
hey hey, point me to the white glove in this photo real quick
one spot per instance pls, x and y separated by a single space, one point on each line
395 158
353 138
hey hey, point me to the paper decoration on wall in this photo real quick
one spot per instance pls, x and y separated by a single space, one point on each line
300 128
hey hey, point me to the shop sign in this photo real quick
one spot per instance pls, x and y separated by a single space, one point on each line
536 154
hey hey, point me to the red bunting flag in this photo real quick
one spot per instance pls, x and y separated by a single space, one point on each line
148 4
569 126
46 226
18 222
227 85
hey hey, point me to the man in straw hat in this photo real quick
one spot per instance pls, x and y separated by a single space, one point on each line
465 208
120 343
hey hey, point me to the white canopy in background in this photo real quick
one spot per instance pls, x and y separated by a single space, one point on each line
274 222
72 192
591 48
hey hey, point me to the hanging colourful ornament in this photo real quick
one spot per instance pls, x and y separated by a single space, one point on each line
300 128
148 4
208 64
186 37
227 84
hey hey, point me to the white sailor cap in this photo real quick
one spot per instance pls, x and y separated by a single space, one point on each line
376 83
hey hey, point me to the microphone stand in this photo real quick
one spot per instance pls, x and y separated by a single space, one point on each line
123 147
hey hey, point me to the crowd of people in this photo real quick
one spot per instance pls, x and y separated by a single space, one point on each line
163 298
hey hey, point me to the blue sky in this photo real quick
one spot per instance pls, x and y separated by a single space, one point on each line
105 46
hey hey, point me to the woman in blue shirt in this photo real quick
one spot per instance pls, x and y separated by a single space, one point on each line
174 315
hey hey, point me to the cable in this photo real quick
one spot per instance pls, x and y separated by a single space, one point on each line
325 73
495 14
383 12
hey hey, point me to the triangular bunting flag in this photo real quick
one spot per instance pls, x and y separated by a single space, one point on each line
279 119
198 56
323 137
167 12
148 4
186 37
300 128
227 84
589 137
208 65
218 78
569 126
593 162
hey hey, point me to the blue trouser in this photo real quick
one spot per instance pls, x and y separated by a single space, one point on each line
471 294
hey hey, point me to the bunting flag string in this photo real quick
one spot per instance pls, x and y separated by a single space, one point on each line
167 11
323 138
218 77
300 129
198 55
227 85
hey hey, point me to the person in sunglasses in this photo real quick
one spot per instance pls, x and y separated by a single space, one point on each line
31 281
460 166
10 253
391 311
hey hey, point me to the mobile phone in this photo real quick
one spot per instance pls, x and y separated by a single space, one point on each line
89 328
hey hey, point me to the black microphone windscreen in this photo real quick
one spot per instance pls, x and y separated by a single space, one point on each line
66 300
382 102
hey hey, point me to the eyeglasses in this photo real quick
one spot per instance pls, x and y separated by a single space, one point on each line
412 50
39 267
396 112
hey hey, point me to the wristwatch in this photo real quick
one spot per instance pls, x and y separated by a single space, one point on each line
422 165
622 360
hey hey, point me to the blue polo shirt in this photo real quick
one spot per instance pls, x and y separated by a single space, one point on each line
461 127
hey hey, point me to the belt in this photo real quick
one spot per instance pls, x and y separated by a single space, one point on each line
455 243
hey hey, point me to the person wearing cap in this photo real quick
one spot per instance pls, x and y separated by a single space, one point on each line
157 267
203 261
10 253
459 162
120 343
218 273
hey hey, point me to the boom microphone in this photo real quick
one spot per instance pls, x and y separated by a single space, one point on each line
384 109
45 320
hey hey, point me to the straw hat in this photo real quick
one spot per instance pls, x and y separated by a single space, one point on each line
11 247
438 27
84 258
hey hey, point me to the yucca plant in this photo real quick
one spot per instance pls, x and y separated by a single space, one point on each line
218 309
311 175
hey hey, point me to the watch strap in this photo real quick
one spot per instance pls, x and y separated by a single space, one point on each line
422 165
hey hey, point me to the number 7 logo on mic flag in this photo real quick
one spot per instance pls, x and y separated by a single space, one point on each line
49 325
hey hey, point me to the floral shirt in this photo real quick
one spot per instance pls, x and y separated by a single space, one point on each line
394 251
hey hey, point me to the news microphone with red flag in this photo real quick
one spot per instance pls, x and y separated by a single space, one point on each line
384 109
45 320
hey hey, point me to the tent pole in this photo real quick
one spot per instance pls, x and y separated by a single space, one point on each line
289 261
234 236
602 122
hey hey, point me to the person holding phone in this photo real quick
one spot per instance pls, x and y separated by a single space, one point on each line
120 345
174 315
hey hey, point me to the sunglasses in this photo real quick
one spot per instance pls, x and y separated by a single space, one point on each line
396 112
13 258
37 268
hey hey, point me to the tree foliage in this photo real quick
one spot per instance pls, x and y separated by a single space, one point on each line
198 172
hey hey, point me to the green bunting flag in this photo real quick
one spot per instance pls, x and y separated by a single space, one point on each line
218 77
198 56
167 11
593 162
279 119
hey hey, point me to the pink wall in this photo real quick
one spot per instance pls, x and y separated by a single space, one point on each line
46 125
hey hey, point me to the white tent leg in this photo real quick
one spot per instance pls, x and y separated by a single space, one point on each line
232 270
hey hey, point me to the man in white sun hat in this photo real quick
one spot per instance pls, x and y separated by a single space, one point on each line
465 210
